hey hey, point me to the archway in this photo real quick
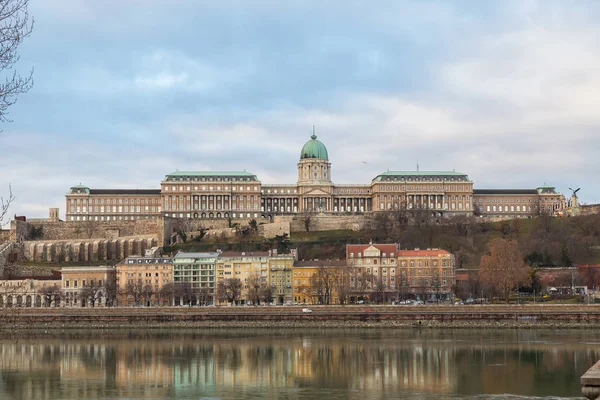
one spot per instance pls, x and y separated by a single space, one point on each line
19 301
9 301
28 301
1 301
38 301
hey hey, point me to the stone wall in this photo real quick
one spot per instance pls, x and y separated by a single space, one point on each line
4 235
5 250
18 230
273 229
86 230
87 250
589 209
327 222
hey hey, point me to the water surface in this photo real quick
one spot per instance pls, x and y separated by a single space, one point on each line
294 364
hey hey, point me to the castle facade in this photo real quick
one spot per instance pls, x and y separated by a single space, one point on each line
241 195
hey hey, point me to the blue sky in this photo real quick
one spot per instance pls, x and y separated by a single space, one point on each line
128 91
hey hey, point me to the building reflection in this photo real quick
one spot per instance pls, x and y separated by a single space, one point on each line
172 366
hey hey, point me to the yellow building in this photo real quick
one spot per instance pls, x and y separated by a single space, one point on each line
280 276
251 268
320 282
264 269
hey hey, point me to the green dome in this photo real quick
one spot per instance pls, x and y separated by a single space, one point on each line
314 149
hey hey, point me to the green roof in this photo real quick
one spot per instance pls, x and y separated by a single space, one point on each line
248 176
210 173
423 173
314 149
80 186
404 174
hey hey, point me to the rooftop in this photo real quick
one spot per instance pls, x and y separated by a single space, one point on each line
143 192
182 254
211 173
504 191
444 174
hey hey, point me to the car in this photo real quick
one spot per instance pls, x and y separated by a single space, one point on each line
306 310
418 302
360 302
459 303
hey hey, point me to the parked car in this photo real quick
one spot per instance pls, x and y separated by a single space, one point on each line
418 303
459 303
306 310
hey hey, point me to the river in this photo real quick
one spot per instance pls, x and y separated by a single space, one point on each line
297 364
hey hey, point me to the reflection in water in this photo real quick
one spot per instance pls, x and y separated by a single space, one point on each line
296 365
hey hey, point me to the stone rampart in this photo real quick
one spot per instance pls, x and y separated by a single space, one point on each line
274 229
85 230
331 222
5 251
589 209
88 249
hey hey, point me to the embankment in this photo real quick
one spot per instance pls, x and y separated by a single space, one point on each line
471 317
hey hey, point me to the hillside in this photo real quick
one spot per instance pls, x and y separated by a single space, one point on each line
545 240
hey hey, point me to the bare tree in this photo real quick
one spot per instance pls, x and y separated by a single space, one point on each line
184 291
110 292
307 219
341 285
134 289
5 204
267 293
15 26
378 293
203 295
255 287
322 283
166 293
50 294
503 268
230 290
91 293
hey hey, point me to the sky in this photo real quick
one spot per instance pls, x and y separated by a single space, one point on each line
127 91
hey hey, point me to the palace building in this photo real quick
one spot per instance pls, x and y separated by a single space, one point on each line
241 195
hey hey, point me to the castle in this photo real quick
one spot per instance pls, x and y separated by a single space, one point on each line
217 195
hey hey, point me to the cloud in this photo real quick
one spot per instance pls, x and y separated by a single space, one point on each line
505 93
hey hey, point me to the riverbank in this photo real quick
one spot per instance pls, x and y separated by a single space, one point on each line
423 317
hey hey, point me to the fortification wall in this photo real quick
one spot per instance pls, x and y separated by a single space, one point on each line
274 229
5 251
85 230
326 223
18 230
87 249
589 209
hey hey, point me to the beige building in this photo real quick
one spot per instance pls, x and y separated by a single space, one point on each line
518 203
241 195
85 204
135 273
387 272
27 292
77 283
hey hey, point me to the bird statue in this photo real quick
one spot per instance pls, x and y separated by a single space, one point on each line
575 191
